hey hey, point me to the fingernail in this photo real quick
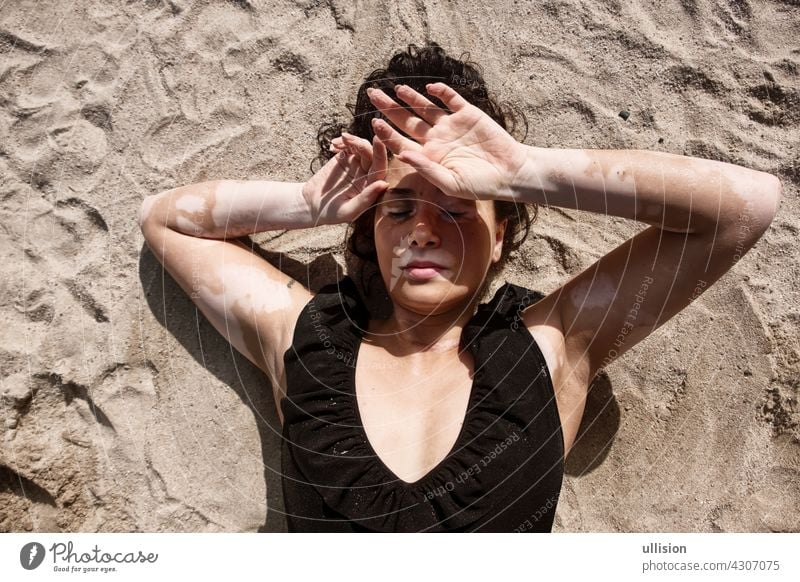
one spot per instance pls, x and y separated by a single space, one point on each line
370 91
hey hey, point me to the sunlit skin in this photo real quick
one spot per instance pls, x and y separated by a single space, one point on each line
415 422
414 220
703 216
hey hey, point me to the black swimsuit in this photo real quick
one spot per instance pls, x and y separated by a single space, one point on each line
504 472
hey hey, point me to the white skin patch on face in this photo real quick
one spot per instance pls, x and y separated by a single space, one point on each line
190 203
597 294
402 248
399 257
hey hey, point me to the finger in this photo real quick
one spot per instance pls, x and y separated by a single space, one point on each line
346 160
421 105
392 138
365 198
354 145
399 115
361 147
371 192
448 95
336 144
434 173
380 161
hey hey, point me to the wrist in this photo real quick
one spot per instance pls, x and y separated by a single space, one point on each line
312 205
532 181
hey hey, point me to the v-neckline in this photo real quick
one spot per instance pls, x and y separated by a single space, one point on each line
456 445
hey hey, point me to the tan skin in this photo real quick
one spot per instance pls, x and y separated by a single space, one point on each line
414 425
457 163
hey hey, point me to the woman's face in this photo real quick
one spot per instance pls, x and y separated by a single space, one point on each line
416 222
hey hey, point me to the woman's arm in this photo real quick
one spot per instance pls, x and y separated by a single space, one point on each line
672 192
229 208
247 300
221 209
705 216
468 155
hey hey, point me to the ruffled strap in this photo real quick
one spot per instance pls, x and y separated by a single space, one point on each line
511 387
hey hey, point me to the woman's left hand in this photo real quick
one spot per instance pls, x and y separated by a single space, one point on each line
464 153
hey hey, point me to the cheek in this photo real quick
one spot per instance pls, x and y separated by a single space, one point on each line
482 239
382 239
388 246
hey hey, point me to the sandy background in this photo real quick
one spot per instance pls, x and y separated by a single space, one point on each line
122 409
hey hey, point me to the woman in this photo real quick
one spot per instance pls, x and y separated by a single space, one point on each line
446 415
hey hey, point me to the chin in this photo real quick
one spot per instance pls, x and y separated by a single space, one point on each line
429 296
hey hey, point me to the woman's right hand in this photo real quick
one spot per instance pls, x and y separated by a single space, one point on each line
350 182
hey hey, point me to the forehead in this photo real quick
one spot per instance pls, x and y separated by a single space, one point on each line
401 175
405 182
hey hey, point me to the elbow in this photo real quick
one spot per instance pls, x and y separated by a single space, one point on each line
146 210
758 197
761 204
776 192
767 200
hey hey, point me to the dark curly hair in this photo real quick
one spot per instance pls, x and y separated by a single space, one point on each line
417 67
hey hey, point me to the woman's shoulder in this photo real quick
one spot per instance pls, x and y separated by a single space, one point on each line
336 306
510 299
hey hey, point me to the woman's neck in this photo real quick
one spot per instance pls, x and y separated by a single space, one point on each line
406 332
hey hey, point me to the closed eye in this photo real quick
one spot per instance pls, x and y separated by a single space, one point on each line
400 214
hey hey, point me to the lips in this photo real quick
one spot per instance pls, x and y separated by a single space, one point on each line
423 265
423 270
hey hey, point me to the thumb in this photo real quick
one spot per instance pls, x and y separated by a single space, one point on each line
371 192
366 197
434 173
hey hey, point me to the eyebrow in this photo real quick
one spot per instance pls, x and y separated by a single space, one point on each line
391 192
410 193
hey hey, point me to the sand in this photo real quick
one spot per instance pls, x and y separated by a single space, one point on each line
124 410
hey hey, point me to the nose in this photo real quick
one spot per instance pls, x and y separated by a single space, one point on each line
425 232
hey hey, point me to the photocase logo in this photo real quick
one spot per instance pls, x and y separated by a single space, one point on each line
31 555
